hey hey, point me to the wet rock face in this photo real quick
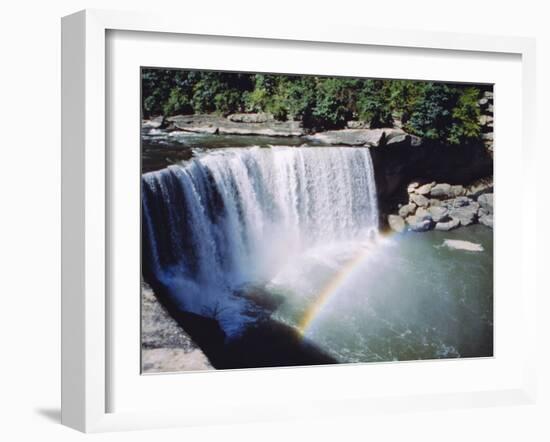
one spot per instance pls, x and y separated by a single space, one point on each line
447 225
396 223
419 223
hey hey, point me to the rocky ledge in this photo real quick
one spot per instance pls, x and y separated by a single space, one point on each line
442 206
365 137
235 124
165 347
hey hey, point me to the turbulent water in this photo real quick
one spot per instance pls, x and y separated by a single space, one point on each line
235 217
301 224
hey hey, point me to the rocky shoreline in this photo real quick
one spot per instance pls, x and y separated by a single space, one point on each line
442 206
165 347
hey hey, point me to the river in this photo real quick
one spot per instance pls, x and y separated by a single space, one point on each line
243 232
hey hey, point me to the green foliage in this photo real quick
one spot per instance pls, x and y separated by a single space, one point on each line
269 95
332 109
374 104
178 103
435 111
432 114
465 127
446 113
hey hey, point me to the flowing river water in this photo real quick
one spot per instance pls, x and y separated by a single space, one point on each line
234 229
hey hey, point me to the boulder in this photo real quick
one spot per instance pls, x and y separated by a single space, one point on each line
466 214
412 186
423 214
357 137
438 213
482 212
399 139
396 223
460 201
417 224
407 209
480 187
441 191
425 189
447 225
154 123
487 220
420 200
458 190
486 201
354 124
250 118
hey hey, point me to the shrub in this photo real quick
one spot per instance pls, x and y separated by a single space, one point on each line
465 127
177 103
431 115
373 104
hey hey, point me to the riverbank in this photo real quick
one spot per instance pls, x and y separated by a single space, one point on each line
165 347
445 207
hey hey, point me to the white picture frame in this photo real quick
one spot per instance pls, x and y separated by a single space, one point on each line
86 315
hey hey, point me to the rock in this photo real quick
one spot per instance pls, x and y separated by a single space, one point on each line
416 141
486 201
438 213
250 118
483 101
485 120
458 190
420 200
480 187
396 223
412 186
423 214
434 202
447 225
407 209
460 201
399 139
487 220
482 212
488 94
441 191
166 347
457 244
354 124
466 214
213 124
417 224
154 123
425 189
487 136
357 137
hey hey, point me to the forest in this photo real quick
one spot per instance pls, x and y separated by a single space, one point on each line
443 112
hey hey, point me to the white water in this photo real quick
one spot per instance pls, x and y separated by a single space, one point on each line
233 217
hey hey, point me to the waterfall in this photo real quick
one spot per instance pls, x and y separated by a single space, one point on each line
235 216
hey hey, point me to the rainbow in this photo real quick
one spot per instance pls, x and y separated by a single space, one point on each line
331 288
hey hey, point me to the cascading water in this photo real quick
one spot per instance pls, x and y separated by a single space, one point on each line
235 217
